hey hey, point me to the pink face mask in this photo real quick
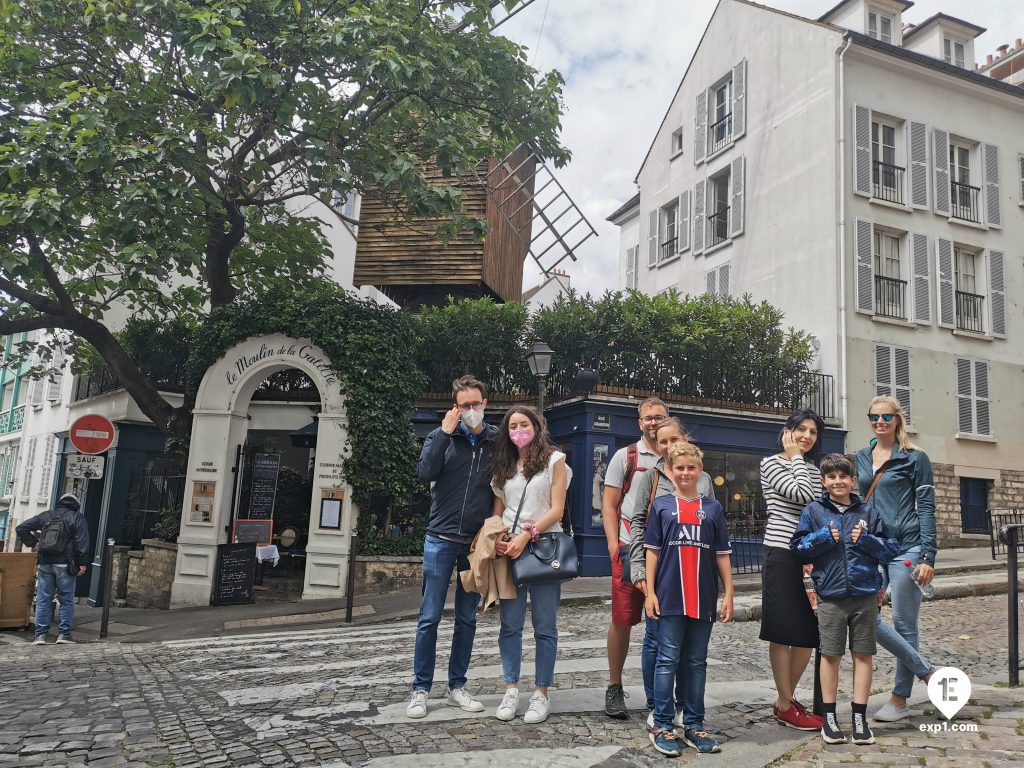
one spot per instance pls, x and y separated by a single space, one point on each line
520 437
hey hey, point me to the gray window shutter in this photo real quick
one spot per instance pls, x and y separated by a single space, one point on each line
723 280
712 282
652 238
947 301
861 151
35 392
901 378
940 160
53 386
736 196
990 165
699 202
863 278
883 369
739 100
683 229
1020 164
700 132
997 293
922 280
982 422
917 152
964 396
631 259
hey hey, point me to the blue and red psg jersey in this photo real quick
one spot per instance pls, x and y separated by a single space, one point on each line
688 534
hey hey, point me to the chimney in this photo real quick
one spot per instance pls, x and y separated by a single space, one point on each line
1018 43
1003 49
988 59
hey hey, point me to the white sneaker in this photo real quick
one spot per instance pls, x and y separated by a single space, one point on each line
458 697
418 705
40 640
890 713
509 702
540 706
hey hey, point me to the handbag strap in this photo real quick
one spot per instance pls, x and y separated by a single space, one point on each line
878 476
522 499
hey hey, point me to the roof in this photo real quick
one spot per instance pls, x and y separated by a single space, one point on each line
936 17
837 6
937 64
633 202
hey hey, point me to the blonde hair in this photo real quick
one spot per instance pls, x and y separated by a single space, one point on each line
685 450
650 402
901 425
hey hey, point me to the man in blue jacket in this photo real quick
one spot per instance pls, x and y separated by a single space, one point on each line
56 571
456 461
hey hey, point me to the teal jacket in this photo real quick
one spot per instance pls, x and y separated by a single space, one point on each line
904 497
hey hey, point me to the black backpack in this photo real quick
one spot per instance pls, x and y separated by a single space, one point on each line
55 537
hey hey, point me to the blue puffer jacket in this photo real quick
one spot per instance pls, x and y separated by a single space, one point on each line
461 497
843 569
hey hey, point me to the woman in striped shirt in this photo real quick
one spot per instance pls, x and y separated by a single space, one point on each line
790 481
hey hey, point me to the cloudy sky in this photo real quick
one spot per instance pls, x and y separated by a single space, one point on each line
622 61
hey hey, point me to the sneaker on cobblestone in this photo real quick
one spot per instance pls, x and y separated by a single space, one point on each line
540 707
65 640
40 640
797 717
509 703
700 741
890 713
861 731
664 740
458 697
831 733
615 702
417 705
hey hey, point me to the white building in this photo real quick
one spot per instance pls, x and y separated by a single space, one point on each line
856 172
558 283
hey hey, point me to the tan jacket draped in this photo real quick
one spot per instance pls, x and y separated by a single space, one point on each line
488 574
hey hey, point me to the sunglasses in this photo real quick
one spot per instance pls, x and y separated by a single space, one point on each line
886 417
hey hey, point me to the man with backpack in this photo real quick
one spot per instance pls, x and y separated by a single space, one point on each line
60 537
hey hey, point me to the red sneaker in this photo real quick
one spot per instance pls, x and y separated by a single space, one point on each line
797 717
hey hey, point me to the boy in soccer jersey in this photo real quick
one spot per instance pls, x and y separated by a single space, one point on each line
688 548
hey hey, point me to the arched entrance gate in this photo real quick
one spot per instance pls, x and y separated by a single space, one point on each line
220 424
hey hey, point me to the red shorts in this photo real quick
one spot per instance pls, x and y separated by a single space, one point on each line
627 600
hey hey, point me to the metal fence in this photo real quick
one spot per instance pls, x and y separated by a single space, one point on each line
747 539
150 493
997 518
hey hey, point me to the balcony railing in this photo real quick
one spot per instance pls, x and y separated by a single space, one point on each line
970 309
890 295
888 182
12 420
964 202
721 133
668 248
718 225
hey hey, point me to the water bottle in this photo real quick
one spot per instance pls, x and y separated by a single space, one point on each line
927 592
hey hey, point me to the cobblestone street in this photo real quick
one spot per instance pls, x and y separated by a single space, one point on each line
336 696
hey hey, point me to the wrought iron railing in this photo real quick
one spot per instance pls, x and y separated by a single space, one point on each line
746 535
964 202
888 182
970 309
721 133
718 226
12 420
150 493
890 295
668 248
997 519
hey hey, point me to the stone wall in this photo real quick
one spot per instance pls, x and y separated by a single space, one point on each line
119 583
386 573
150 574
1005 494
1009 493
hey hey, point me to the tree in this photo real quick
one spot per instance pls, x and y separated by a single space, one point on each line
155 154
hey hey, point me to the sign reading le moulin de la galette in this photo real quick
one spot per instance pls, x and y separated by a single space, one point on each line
285 353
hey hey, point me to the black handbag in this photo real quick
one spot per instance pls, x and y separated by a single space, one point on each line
549 559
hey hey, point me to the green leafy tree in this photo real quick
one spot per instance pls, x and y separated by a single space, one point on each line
157 156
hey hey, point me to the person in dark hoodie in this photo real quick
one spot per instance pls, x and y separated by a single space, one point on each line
456 461
62 528
847 541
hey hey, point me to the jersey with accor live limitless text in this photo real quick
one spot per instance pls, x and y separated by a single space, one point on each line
688 534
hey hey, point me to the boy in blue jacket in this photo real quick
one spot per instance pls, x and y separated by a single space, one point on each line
846 540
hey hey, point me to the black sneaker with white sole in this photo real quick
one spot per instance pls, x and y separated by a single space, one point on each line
861 730
831 733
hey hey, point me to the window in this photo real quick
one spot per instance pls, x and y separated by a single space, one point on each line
886 175
7 464
720 114
345 204
972 398
963 196
670 220
974 505
721 126
677 142
880 26
892 273
953 52
632 255
890 288
892 374
970 301
28 467
971 289
717 281
718 209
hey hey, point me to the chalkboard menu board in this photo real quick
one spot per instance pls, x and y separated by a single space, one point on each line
265 467
236 571
253 531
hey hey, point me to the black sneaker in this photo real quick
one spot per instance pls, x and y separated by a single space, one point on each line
831 733
861 731
615 702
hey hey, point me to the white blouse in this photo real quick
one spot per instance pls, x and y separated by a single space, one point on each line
538 495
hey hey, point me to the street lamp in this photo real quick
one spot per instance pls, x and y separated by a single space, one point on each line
539 359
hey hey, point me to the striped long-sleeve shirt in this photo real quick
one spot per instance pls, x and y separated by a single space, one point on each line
788 486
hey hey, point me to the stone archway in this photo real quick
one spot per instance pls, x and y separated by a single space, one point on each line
220 423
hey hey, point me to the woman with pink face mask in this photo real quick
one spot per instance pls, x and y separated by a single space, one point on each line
528 476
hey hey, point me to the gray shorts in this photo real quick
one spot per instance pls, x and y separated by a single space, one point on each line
858 614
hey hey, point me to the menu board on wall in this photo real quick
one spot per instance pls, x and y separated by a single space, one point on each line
236 572
265 468
254 531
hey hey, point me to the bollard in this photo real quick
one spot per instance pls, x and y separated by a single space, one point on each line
1009 535
108 577
350 588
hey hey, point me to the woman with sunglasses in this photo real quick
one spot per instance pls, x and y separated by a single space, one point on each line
895 477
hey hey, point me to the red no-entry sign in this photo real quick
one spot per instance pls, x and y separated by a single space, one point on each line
92 434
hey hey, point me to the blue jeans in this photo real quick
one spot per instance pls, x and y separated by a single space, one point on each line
902 639
682 650
50 579
648 660
440 558
544 599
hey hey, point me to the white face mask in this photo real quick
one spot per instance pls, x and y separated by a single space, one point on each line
473 418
